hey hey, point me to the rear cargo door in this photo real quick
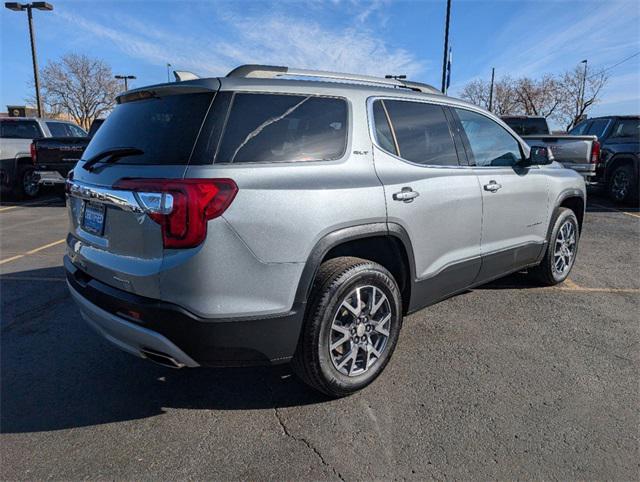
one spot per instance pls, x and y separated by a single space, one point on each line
150 135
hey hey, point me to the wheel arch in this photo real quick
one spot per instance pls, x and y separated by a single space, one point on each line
573 199
385 244
618 160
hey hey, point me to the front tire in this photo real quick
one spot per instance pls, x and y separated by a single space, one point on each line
352 326
561 250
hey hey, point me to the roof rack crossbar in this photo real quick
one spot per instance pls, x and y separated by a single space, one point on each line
273 71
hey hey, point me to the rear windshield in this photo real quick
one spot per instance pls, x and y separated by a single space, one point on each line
164 128
19 129
528 127
283 128
62 129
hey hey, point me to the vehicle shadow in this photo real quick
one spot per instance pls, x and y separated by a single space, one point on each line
56 373
49 196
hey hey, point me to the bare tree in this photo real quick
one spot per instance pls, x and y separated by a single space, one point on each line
504 100
576 103
79 87
541 97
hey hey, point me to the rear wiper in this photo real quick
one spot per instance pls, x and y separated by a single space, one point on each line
111 155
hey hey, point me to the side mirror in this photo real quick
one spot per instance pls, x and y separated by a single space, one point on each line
540 156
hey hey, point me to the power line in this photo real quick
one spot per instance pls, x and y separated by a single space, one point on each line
614 65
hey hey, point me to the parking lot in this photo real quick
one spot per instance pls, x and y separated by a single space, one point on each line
506 381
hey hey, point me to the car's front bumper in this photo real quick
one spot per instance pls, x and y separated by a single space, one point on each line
152 328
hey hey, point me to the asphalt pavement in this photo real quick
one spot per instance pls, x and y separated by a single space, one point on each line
506 381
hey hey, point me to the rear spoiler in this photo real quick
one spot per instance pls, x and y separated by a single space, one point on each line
195 86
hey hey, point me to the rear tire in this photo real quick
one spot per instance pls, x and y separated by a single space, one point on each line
27 186
352 326
623 184
561 250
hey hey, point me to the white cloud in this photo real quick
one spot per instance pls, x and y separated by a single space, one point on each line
265 39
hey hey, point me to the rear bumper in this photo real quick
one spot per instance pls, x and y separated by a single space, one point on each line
148 328
50 178
588 171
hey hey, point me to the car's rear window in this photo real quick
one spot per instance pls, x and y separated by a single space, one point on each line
164 128
19 129
62 129
528 127
283 128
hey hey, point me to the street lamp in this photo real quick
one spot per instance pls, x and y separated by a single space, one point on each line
126 78
584 79
18 7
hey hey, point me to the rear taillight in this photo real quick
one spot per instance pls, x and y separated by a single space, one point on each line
32 150
68 182
595 152
182 207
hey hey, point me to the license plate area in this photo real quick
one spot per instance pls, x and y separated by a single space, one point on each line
93 218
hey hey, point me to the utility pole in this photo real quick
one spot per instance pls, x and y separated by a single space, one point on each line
493 74
446 48
125 78
584 80
168 68
18 7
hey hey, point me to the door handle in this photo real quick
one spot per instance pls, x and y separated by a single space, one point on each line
406 194
492 186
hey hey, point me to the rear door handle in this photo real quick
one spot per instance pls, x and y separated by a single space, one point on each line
492 186
406 194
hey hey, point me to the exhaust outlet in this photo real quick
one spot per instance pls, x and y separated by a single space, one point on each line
161 358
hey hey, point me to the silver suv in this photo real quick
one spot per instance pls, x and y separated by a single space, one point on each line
257 219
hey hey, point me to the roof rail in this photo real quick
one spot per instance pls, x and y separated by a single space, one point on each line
273 71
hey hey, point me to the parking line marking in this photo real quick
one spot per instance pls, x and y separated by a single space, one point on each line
33 251
602 290
570 285
8 208
36 203
635 215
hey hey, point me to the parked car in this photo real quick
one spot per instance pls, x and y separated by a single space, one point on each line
527 125
619 138
256 219
54 157
16 166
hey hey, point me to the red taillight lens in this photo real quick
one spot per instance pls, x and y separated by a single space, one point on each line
32 150
192 202
595 152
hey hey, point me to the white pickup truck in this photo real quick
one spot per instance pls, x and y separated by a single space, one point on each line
17 174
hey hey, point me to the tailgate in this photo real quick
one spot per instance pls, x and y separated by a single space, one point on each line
59 153
112 235
567 150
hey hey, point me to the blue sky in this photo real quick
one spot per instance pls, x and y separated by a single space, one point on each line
374 37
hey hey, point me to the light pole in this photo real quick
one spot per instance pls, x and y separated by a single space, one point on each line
168 69
493 74
18 7
126 78
446 48
584 80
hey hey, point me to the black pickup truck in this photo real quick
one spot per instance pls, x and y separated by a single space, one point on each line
618 169
54 157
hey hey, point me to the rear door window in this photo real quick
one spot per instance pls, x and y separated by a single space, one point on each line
19 129
165 128
422 133
283 128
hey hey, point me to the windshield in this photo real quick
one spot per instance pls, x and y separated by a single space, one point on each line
163 128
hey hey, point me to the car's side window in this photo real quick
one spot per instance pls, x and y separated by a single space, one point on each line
421 133
598 127
20 129
491 144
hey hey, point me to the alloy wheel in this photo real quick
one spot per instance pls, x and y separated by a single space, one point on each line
360 330
565 248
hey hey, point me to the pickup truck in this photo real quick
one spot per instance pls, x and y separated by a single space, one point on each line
619 164
580 153
54 157
17 172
